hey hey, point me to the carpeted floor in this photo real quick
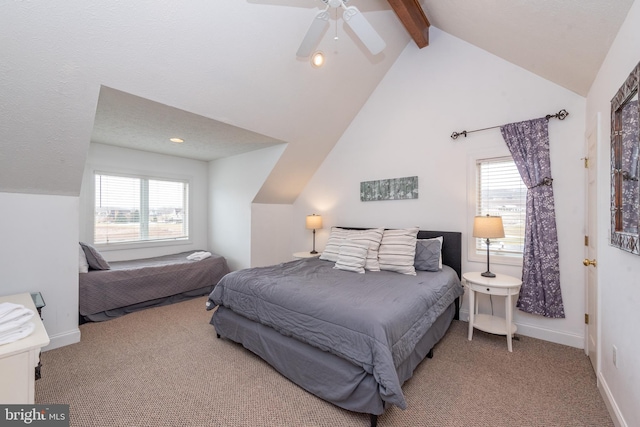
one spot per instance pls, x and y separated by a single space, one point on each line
165 367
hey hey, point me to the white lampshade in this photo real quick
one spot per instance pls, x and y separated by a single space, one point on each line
314 222
488 227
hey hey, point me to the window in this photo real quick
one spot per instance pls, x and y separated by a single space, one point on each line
139 209
500 191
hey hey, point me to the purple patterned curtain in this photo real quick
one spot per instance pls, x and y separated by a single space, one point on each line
540 292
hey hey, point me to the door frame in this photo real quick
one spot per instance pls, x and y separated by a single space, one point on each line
591 250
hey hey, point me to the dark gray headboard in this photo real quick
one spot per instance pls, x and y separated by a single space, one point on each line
451 246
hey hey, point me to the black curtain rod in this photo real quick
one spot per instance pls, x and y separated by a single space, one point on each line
562 114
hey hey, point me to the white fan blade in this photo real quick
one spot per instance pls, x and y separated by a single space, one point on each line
314 34
363 30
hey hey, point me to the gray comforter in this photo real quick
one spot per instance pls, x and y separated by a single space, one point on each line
373 320
136 281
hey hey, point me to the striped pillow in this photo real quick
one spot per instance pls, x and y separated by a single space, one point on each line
370 237
332 248
352 256
398 250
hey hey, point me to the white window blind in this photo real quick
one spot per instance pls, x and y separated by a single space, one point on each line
500 191
139 209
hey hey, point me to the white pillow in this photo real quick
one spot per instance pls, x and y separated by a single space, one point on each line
82 261
398 250
352 256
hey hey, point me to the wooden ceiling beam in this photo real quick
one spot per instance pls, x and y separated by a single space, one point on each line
413 18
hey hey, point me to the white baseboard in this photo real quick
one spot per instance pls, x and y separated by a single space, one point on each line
63 339
564 338
609 401
558 337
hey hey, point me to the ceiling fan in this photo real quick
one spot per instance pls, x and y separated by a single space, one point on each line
353 17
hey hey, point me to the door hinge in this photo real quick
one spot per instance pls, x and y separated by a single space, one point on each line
586 162
586 318
586 240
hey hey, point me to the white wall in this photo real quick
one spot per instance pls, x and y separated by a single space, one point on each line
39 252
404 130
233 184
107 158
618 271
271 230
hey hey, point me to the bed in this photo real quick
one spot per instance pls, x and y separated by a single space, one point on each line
350 339
127 286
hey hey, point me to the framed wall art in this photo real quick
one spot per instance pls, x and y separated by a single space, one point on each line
389 189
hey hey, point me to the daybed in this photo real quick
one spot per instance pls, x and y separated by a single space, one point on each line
351 339
129 286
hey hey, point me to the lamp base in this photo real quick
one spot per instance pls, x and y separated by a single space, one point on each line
313 251
488 273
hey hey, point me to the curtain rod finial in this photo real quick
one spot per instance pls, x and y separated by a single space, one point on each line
455 135
561 115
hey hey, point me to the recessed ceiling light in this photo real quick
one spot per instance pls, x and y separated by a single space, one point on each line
176 140
317 60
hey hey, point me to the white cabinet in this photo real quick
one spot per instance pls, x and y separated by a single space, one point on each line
19 358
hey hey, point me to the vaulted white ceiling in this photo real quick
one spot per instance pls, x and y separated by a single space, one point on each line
563 41
227 71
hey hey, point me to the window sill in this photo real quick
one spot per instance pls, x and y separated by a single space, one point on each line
141 245
496 259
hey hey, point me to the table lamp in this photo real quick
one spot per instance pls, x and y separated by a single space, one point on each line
488 227
314 222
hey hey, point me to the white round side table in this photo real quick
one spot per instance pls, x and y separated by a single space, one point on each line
501 285
300 255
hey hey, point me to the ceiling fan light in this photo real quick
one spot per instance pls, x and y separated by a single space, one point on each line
317 60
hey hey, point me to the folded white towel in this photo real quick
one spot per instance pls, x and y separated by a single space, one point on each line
198 256
15 318
17 333
8 307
